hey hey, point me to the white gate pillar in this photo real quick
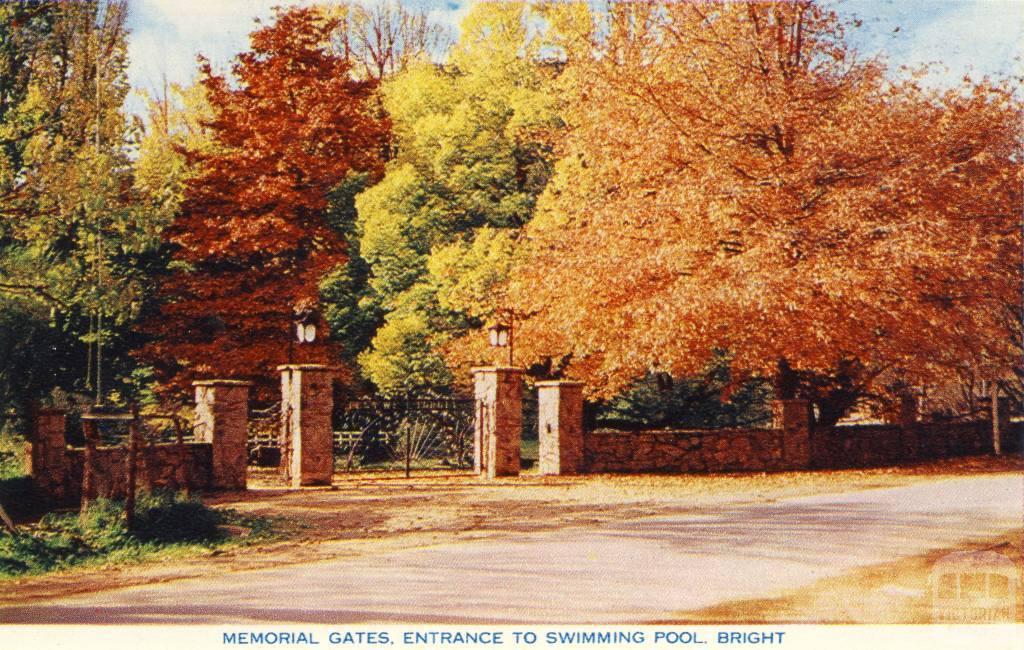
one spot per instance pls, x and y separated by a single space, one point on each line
498 420
307 438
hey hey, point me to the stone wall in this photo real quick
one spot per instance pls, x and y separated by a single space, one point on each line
216 461
862 446
726 450
867 446
964 439
756 450
158 466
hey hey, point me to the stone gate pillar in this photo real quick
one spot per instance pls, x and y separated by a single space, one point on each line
560 426
498 420
795 418
307 437
47 457
222 419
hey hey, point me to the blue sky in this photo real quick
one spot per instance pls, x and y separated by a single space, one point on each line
983 35
166 35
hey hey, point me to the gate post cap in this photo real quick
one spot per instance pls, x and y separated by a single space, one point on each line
480 369
222 382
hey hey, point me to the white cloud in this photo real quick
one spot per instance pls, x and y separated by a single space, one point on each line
168 34
983 36
207 9
450 17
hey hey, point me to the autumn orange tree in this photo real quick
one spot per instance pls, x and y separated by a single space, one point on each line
251 241
735 179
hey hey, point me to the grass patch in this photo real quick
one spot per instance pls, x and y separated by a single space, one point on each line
20 500
164 522
16 493
12 455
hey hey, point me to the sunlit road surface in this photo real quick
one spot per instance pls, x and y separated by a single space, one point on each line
639 571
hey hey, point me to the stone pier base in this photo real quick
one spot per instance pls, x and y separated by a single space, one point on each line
222 419
560 426
795 418
498 419
307 400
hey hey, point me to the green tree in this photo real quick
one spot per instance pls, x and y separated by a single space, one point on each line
473 152
176 122
714 398
349 310
70 237
27 27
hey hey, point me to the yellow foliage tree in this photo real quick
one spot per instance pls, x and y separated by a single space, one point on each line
473 153
176 122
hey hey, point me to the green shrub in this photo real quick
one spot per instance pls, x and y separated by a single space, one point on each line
167 518
19 498
162 520
102 527
658 401
12 455
25 554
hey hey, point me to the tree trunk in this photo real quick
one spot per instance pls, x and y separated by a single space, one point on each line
997 424
133 457
88 462
6 519
181 475
786 381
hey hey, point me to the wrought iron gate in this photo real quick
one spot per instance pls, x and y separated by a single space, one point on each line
391 434
412 433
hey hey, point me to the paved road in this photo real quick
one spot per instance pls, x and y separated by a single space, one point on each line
627 572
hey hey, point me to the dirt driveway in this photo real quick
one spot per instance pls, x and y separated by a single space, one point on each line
365 524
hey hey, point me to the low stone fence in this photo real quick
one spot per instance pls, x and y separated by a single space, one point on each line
215 461
683 451
57 468
876 445
791 443
162 466
945 440
758 450
862 446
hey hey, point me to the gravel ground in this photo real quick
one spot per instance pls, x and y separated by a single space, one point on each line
372 514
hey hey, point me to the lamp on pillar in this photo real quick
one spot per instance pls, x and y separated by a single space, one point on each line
304 327
500 336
